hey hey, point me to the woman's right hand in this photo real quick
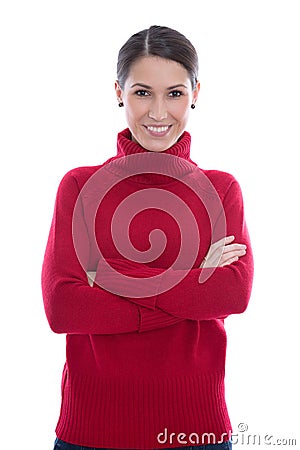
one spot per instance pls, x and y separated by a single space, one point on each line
223 253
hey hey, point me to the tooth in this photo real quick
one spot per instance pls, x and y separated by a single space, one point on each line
158 129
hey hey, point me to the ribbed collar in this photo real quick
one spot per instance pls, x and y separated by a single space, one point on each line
176 167
125 146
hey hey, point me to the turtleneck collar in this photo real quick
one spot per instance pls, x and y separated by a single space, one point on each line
132 157
125 146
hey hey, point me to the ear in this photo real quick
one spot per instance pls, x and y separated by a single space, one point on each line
118 90
196 92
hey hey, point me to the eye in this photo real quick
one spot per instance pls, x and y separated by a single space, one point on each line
175 93
142 93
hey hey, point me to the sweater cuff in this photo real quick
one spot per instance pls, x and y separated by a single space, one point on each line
151 320
146 302
122 284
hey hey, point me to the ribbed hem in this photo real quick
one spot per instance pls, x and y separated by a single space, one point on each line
132 413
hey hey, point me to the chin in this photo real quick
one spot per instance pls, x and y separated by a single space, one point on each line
156 144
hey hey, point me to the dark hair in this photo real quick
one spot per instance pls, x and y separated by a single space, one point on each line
158 41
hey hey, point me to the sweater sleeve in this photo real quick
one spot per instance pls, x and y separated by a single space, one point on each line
226 290
71 304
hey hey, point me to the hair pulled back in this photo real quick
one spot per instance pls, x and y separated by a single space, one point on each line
158 41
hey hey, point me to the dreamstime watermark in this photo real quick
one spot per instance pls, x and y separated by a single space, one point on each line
244 437
241 437
110 177
166 437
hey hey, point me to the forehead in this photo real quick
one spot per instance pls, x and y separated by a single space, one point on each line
157 72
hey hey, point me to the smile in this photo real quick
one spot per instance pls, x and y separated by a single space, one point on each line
158 131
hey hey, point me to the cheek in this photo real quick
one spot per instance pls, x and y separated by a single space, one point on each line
180 111
135 109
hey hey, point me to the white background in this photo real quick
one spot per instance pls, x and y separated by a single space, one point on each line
59 111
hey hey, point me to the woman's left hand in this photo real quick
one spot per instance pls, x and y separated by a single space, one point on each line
223 253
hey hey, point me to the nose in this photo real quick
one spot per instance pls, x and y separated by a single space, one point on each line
158 110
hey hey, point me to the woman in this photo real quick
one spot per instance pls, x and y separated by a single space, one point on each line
147 255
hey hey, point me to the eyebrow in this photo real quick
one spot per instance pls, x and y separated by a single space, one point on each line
146 86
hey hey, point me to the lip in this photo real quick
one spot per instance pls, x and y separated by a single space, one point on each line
158 130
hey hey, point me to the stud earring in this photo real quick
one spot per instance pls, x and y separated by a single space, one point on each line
193 106
121 104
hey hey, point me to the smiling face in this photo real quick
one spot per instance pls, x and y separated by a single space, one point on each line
157 97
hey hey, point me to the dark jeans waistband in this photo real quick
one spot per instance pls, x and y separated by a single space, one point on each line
62 445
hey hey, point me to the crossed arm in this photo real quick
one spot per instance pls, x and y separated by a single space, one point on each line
73 306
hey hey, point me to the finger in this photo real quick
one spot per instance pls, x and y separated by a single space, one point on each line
228 256
232 254
229 239
221 243
234 247
218 249
229 261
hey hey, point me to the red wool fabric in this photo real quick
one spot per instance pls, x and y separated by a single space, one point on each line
143 372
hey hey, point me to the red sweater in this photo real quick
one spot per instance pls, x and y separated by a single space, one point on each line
145 362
